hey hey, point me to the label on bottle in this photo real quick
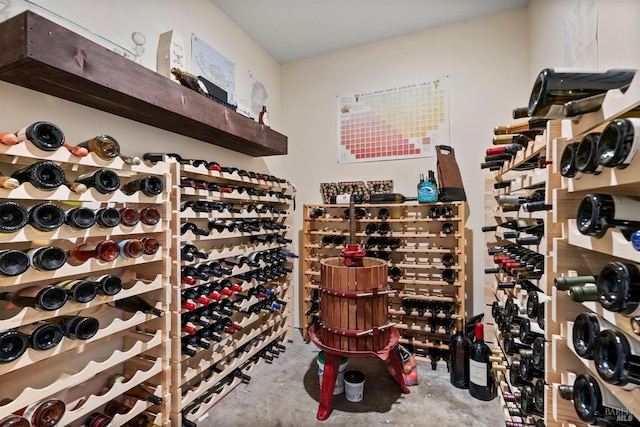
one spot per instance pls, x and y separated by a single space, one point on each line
636 140
427 192
626 208
478 372
343 199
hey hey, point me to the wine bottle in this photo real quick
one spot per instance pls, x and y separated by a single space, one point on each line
44 135
80 218
129 217
13 344
533 124
510 149
47 412
565 283
264 118
518 138
513 199
619 288
47 258
481 383
145 392
586 154
593 406
554 87
96 419
104 250
568 167
79 327
343 199
107 284
105 181
460 348
390 198
583 105
586 328
584 293
107 148
131 248
597 212
135 303
47 298
43 335
150 216
619 143
82 291
150 186
46 216
538 348
14 421
13 217
150 245
107 217
44 175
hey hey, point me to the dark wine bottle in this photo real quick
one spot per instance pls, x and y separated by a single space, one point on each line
13 344
81 291
48 298
13 217
568 167
105 181
554 87
504 149
389 198
135 303
107 217
150 186
615 360
150 216
583 105
619 288
129 217
619 143
43 335
459 354
481 383
586 154
13 263
597 212
44 175
107 284
46 216
533 124
565 283
47 258
44 135
80 218
79 327
586 328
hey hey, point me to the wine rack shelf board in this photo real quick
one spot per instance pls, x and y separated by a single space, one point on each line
419 257
612 243
41 55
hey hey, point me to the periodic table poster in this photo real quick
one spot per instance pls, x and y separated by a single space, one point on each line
403 122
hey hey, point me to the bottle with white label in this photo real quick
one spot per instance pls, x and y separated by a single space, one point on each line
597 212
481 383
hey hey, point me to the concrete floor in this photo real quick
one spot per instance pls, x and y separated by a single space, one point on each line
286 393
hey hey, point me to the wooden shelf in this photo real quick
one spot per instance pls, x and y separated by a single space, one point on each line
41 55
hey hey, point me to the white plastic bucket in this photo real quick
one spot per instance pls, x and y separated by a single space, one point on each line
339 388
353 385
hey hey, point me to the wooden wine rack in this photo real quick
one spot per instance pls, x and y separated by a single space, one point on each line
134 345
199 382
419 256
578 254
568 253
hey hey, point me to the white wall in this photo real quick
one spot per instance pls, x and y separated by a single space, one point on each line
117 20
486 60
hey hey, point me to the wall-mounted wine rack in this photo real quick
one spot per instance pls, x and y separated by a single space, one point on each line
424 245
568 253
134 344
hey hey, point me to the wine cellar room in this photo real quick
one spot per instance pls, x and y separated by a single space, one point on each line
284 213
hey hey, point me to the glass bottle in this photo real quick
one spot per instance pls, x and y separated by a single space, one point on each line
150 186
80 218
459 346
105 181
13 217
44 135
13 344
107 148
105 250
44 175
46 216
46 297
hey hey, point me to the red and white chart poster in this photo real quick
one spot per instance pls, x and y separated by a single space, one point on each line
403 122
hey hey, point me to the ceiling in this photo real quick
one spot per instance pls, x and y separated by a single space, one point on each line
291 30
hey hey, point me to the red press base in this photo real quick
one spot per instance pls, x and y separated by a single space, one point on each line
332 358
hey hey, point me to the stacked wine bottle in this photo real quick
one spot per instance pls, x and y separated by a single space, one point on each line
82 236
